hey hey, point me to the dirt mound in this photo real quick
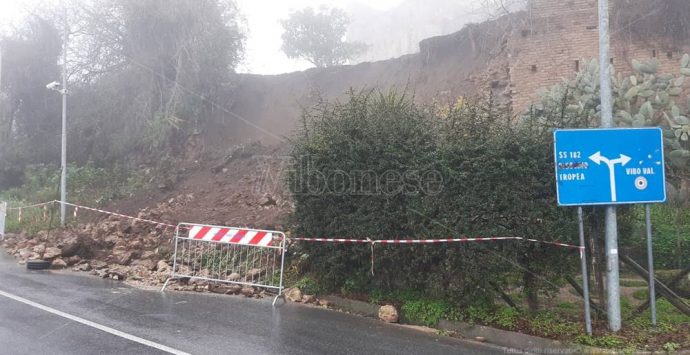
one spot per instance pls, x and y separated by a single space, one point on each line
239 190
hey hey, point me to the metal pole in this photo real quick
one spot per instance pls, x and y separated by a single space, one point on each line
585 275
63 163
612 277
650 262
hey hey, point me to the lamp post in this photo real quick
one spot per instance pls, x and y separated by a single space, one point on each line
62 89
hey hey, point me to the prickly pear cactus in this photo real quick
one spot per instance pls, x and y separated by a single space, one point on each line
645 98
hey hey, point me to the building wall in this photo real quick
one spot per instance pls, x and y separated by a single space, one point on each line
553 39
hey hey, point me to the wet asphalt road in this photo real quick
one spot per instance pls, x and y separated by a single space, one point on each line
186 322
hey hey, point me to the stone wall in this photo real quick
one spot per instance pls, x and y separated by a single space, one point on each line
554 39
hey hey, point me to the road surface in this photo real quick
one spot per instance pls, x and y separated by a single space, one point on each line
49 312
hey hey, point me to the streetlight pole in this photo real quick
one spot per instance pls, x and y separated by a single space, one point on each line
63 163
611 232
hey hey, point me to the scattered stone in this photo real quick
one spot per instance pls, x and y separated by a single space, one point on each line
267 200
233 277
163 267
98 265
58 264
388 314
25 253
293 294
235 289
251 274
72 260
82 267
125 258
40 249
118 272
308 298
323 303
51 253
247 291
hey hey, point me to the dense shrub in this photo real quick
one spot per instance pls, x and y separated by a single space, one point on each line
380 166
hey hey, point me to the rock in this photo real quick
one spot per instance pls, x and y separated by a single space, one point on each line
82 267
25 253
323 303
163 267
145 263
308 298
482 339
98 265
219 289
40 249
233 277
251 274
139 272
125 258
293 294
388 314
52 253
247 291
73 245
73 260
58 264
118 272
235 289
267 200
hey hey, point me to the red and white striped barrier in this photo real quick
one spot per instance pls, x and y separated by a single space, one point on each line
231 235
242 256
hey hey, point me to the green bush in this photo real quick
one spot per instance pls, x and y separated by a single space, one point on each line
308 286
485 176
424 312
507 318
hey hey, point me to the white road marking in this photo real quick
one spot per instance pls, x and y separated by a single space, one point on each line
94 325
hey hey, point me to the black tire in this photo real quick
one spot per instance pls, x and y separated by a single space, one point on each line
38 264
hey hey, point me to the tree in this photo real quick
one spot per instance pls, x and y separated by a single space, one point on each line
30 115
319 37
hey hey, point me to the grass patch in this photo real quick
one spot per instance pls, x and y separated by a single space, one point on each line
633 283
641 295
605 341
549 324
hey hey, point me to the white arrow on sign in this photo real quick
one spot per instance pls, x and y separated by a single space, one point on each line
598 159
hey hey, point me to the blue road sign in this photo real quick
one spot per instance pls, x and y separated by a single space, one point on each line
609 166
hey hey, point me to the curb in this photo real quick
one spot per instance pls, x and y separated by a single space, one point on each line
507 339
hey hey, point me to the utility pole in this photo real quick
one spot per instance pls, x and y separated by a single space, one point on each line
612 277
63 163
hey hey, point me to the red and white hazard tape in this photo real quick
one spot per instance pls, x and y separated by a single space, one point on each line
77 207
332 240
30 206
430 241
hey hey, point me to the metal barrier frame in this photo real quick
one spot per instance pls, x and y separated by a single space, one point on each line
282 247
3 215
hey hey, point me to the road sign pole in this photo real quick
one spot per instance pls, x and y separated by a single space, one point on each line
612 277
650 263
585 275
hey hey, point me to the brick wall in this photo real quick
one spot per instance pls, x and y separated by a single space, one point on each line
555 38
